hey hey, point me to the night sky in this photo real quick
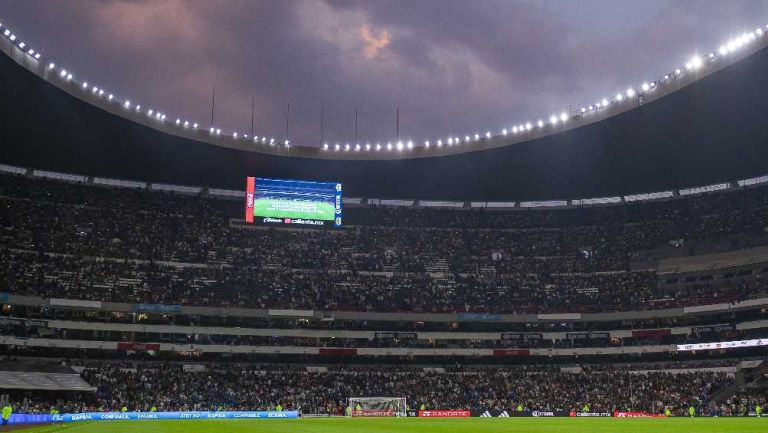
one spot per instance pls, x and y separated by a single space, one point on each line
453 67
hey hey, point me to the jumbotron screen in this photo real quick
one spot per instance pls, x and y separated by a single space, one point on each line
282 201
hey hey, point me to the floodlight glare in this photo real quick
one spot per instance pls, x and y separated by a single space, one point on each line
540 123
504 131
488 134
619 96
553 119
563 116
630 92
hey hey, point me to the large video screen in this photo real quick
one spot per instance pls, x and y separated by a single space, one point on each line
281 201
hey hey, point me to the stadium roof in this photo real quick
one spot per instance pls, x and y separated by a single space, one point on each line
700 124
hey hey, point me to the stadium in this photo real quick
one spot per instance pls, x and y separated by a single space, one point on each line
603 268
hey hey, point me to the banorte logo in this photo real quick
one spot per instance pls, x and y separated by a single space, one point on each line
249 200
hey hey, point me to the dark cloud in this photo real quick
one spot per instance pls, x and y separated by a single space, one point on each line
451 66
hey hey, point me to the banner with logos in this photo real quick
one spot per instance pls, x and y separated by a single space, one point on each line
591 414
524 336
637 415
394 335
138 347
723 345
113 416
478 317
156 308
18 321
445 413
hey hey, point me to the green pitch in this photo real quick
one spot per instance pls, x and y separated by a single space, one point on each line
293 209
416 425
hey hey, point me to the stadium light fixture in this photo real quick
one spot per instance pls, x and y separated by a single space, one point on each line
619 96
488 134
325 146
439 143
234 135
22 45
218 131
409 145
13 37
287 143
85 84
399 145
69 77
553 119
378 147
677 71
63 73
37 56
150 112
696 62
101 92
528 126
336 147
604 102
51 65
645 87
630 92
127 104
540 123
504 131
195 126
514 129
7 32
457 140
31 52
110 97
186 123
477 137
426 144
272 143
367 147
178 121
357 148
583 109
389 146
466 138
563 116
212 130
450 141
138 107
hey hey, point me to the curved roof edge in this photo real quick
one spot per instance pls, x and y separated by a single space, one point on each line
123 108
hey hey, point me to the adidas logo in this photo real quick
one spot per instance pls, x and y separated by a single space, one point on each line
504 415
486 414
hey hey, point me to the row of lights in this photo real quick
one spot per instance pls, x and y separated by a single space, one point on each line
693 64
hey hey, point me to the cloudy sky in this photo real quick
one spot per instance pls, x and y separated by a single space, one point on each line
452 66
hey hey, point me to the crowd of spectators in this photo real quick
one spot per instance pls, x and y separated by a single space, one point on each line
114 244
172 387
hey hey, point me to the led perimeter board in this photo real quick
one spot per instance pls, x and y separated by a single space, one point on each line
281 201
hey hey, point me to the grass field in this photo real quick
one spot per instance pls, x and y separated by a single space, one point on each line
416 425
293 209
